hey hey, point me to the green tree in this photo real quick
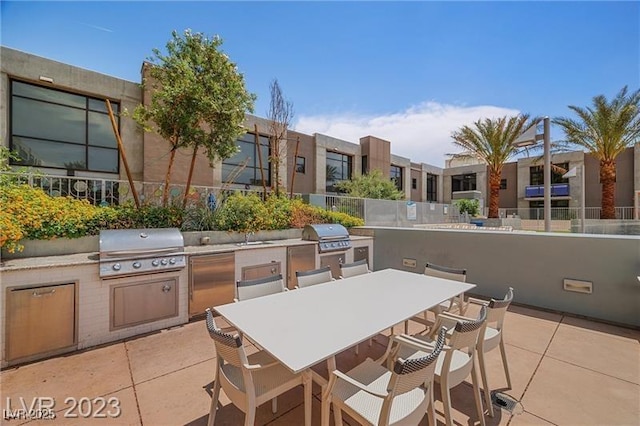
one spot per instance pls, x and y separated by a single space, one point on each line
491 141
198 100
371 185
605 130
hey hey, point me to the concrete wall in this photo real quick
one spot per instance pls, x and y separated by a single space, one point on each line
304 182
26 67
509 196
534 264
481 181
326 143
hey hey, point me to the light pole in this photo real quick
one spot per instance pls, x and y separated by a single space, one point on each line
530 138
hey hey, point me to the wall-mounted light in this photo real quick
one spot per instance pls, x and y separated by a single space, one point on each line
46 79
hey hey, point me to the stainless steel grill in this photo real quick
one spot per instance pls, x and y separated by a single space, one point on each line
125 252
330 236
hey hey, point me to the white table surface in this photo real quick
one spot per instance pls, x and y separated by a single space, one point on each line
303 327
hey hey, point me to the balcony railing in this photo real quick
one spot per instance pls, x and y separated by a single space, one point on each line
537 191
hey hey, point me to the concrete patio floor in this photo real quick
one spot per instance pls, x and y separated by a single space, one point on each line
564 370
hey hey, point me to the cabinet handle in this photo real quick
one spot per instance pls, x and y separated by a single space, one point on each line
166 288
45 293
273 271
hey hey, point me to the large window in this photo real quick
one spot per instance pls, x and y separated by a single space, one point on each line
466 182
432 187
52 128
396 176
301 165
536 174
339 167
244 167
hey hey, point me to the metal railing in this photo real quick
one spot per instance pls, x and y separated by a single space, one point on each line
564 213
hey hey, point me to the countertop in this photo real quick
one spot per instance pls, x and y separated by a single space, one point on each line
93 257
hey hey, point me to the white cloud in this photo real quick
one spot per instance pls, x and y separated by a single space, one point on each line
421 133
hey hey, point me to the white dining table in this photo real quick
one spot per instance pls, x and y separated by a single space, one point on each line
303 327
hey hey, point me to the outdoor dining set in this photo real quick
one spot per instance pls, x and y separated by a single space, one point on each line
322 317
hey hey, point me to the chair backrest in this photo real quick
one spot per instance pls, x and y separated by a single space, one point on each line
313 277
352 269
408 374
464 339
249 289
228 345
438 271
497 309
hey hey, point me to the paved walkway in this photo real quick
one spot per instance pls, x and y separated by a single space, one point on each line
564 370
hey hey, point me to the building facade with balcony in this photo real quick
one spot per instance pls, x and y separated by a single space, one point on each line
54 115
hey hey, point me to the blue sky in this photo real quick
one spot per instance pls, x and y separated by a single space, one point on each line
410 72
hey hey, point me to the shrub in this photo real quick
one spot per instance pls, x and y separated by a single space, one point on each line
241 213
279 209
30 213
472 207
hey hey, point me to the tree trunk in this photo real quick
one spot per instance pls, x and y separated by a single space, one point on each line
494 192
190 177
167 178
608 180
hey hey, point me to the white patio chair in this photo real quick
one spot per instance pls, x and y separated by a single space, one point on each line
313 277
249 289
375 395
496 310
457 359
448 273
249 381
353 269
360 267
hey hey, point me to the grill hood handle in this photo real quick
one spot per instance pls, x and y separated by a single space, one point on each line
138 252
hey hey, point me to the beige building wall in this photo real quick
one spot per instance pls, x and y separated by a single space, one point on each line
481 181
326 143
418 194
304 182
509 196
405 164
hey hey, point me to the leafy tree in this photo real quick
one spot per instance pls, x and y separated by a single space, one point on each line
605 130
491 140
198 100
371 185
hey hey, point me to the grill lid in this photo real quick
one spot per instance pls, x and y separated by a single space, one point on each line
330 236
126 252
129 243
325 231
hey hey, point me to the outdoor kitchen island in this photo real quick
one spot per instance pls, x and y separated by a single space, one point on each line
71 307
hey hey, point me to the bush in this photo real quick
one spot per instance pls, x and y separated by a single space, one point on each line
279 212
30 213
241 213
472 207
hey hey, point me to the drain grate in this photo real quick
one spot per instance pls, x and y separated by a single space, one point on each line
504 401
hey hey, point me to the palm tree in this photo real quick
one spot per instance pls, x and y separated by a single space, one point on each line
491 140
605 130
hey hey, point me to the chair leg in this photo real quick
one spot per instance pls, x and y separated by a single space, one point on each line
250 415
476 394
214 401
485 383
446 402
274 405
338 416
307 399
503 352
431 409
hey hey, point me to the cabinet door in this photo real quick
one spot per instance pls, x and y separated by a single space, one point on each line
299 258
138 303
40 320
361 253
334 261
261 271
212 281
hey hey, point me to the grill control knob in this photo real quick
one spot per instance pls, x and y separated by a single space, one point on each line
172 261
155 262
116 267
137 265
163 261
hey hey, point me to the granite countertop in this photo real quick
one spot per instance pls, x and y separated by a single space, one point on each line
93 257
